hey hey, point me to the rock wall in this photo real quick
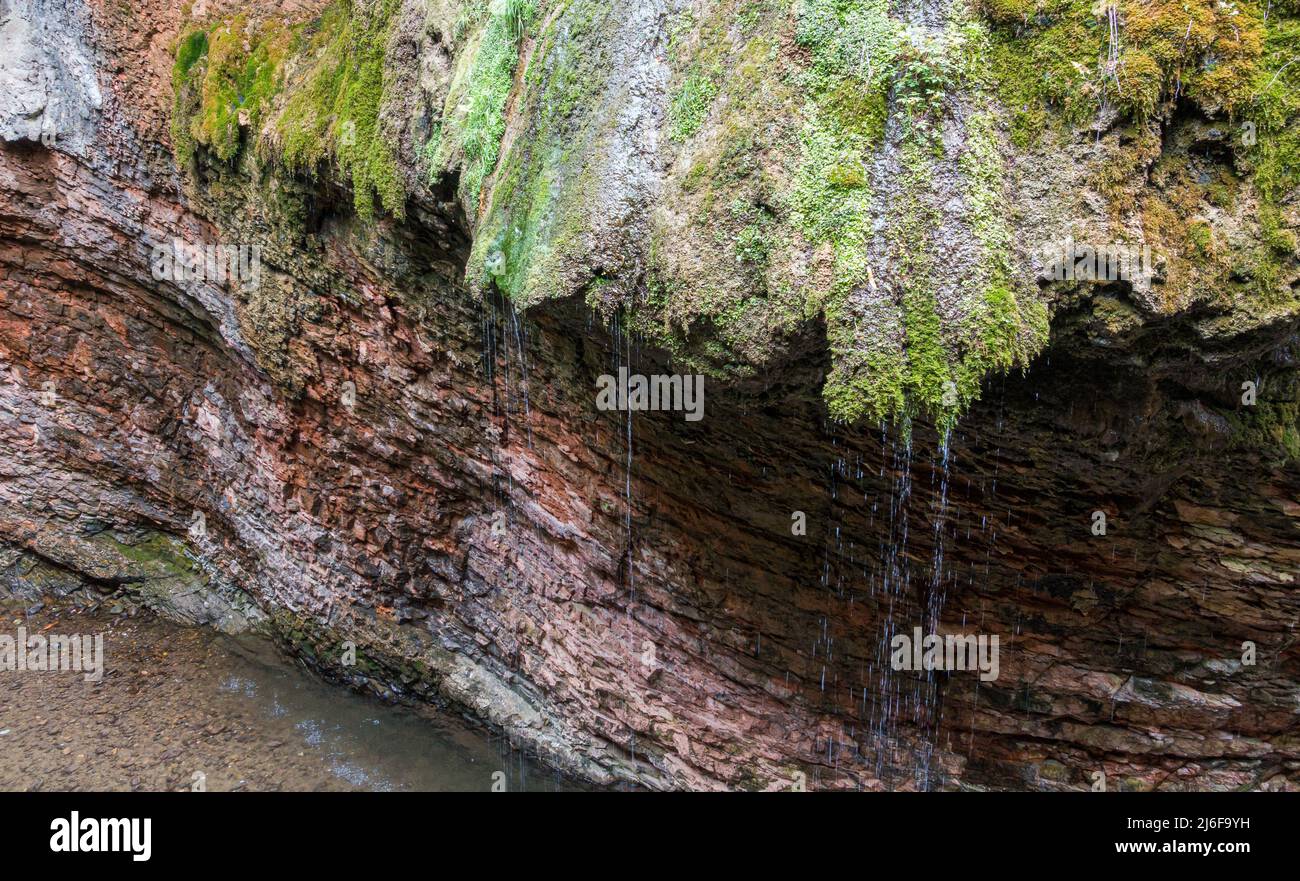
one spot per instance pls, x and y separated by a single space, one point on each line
364 447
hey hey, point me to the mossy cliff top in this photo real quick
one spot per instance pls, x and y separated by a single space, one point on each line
307 94
723 172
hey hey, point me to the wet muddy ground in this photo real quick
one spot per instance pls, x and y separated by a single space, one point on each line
182 708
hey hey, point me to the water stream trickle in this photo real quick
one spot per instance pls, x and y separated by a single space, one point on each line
900 711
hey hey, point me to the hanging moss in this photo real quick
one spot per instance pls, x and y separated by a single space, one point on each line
1272 156
894 352
230 79
852 48
191 50
777 117
1003 323
1052 57
473 120
719 260
334 109
538 203
224 80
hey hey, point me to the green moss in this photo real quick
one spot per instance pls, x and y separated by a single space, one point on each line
1050 57
224 80
536 214
156 554
1273 159
857 111
1272 425
1043 59
848 176
752 245
925 69
191 50
927 369
1142 83
752 12
1002 326
1200 239
690 106
894 353
473 120
333 111
388 658
1205 49
229 78
1050 64
193 46
1013 13
851 46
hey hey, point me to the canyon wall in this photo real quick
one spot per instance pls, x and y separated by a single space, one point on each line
389 437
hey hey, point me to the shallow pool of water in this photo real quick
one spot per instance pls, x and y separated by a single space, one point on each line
187 708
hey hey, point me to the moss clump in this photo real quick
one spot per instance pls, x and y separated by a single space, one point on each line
229 78
1044 62
1142 83
224 80
157 554
1276 428
1013 13
690 106
751 244
1242 273
473 120
1054 57
926 372
334 109
1206 49
1271 154
857 111
193 46
1200 239
847 176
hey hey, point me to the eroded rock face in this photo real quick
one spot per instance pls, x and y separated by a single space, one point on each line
362 449
49 73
